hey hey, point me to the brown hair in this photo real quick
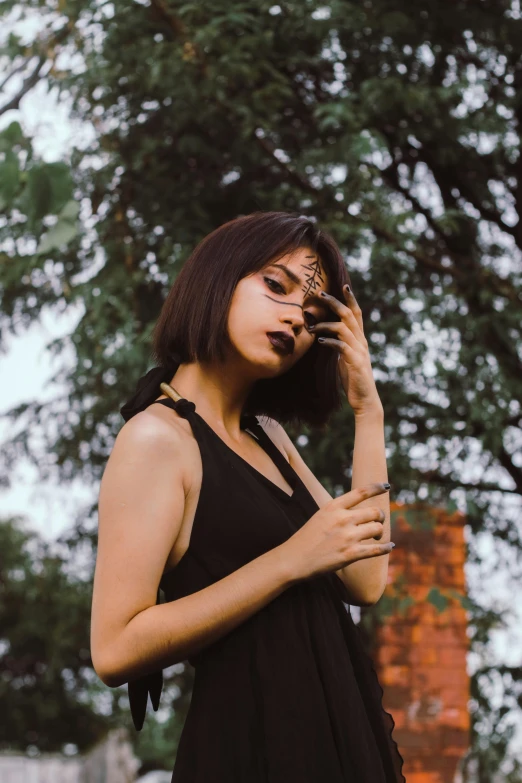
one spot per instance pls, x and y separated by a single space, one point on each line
193 320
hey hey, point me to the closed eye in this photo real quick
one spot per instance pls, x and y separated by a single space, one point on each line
282 290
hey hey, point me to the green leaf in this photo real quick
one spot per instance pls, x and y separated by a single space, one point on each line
11 136
451 506
403 604
38 193
438 599
70 211
9 177
61 184
60 234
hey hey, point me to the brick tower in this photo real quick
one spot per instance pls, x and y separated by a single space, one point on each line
421 642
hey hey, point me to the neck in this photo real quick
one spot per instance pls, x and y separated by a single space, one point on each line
218 392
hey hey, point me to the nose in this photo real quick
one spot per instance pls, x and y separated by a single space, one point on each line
295 320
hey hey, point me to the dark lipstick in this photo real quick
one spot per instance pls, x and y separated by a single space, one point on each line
283 341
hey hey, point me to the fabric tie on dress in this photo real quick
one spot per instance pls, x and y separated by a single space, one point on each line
184 406
148 387
139 689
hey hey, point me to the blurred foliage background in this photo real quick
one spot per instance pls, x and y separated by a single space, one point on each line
397 127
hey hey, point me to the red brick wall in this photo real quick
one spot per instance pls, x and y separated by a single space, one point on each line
420 656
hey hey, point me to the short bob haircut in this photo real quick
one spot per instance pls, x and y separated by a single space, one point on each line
193 320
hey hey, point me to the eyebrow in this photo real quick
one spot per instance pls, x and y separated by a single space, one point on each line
297 280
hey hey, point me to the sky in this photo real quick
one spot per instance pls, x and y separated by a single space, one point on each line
26 368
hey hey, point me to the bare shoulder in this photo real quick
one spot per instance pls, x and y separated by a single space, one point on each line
159 421
160 431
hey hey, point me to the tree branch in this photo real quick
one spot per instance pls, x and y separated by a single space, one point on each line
434 477
28 83
292 176
16 70
391 174
35 76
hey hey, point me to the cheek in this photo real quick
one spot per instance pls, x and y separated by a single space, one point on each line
248 311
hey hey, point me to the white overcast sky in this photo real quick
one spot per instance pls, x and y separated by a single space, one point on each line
27 366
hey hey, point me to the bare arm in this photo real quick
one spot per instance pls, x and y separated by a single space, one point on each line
369 464
167 633
141 505
365 580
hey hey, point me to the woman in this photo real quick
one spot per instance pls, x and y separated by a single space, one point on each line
256 560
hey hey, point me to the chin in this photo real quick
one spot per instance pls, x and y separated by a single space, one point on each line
272 367
280 363
267 364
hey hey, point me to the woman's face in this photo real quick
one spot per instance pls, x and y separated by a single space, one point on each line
283 297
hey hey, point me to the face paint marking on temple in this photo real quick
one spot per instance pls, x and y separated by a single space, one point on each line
311 279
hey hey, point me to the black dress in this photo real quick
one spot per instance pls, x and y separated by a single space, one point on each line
290 694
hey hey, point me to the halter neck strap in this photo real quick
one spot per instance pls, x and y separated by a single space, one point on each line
148 387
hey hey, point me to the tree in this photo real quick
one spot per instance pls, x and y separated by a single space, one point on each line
398 128
48 687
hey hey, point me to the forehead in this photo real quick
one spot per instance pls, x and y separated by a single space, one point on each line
306 269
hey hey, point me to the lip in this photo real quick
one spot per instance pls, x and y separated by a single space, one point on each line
282 341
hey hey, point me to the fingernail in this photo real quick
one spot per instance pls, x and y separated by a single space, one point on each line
347 287
392 544
386 486
320 339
